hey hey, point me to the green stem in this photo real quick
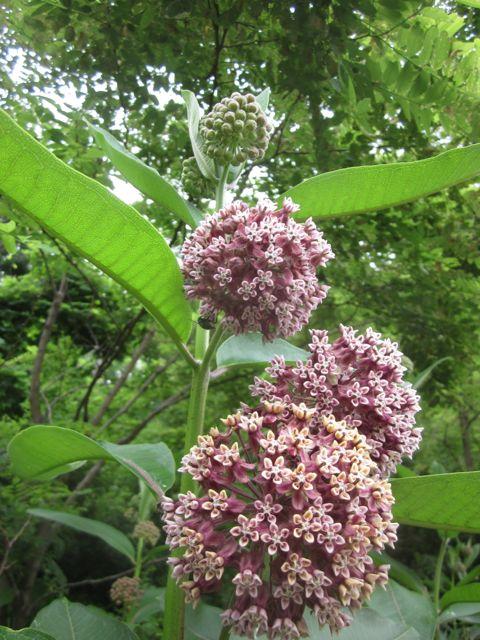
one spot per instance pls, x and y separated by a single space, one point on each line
173 623
225 634
138 559
438 576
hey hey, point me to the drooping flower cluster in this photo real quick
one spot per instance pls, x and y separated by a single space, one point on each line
359 379
291 504
257 266
235 130
194 183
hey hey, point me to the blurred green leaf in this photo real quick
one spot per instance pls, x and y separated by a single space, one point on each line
462 593
67 620
399 572
23 634
113 537
422 377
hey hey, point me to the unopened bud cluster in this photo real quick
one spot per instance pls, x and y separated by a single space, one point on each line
148 531
291 503
235 130
125 591
257 266
194 183
356 378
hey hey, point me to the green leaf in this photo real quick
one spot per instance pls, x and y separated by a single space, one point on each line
263 98
250 348
467 611
472 575
367 625
446 501
8 242
145 178
426 373
470 3
370 188
399 572
205 164
113 537
7 227
408 608
41 453
67 620
203 622
462 593
23 634
94 223
151 603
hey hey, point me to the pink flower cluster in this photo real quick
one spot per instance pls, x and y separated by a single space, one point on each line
358 379
257 266
291 504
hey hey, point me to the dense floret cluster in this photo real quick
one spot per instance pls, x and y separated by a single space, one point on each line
147 531
125 591
257 266
235 130
291 504
358 379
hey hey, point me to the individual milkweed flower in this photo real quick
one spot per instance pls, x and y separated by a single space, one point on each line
235 130
358 379
285 531
125 591
257 266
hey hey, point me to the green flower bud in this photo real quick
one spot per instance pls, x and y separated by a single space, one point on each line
235 129
193 181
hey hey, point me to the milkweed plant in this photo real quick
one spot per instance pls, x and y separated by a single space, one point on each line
283 504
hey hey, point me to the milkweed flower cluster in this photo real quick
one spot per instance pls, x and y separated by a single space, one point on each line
235 130
257 266
358 379
291 504
147 531
125 591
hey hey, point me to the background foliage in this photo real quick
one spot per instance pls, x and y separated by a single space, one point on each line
352 83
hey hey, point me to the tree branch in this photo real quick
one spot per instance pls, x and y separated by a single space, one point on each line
34 395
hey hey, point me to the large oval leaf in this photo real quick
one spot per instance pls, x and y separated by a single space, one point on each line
446 501
405 607
251 348
144 178
113 537
67 620
41 453
94 223
362 189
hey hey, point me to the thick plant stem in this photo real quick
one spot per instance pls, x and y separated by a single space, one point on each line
174 619
438 577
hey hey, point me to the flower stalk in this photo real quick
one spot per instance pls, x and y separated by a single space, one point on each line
205 348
